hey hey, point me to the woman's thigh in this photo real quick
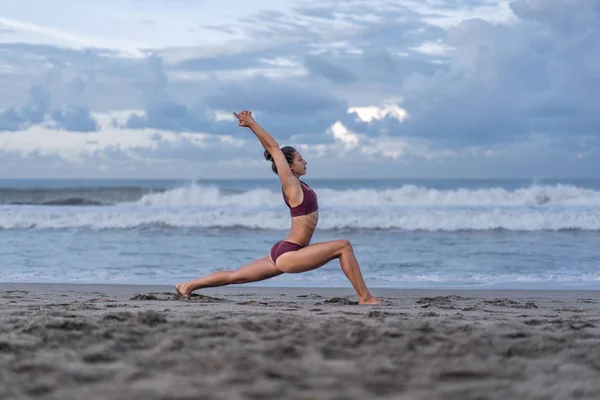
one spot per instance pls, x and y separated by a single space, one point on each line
256 271
310 257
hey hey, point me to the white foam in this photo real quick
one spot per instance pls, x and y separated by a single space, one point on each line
405 218
405 195
196 195
409 208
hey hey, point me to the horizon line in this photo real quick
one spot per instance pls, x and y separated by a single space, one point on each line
274 178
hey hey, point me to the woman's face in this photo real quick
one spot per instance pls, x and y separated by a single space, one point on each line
298 166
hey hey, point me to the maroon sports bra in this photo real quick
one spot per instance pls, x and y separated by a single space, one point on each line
308 205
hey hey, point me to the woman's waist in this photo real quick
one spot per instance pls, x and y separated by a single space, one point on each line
301 237
303 228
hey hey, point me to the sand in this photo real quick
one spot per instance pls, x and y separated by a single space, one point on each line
242 342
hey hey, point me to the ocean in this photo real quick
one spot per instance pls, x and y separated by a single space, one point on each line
476 234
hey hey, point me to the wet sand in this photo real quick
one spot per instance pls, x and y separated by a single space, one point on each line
129 342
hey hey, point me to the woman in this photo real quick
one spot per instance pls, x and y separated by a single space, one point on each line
294 254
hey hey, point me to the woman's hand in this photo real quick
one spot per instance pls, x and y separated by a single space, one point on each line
245 118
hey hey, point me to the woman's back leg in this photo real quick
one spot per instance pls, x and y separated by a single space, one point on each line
255 271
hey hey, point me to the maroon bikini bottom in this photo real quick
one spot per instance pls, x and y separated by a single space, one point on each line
283 247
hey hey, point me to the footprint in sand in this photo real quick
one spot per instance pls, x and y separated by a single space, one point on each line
166 296
379 314
444 302
309 296
252 303
342 301
14 294
510 303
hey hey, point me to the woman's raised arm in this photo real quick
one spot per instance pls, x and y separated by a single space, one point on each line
290 184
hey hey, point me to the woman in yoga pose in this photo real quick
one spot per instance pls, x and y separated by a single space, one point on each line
294 254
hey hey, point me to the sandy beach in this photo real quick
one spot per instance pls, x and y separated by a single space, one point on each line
126 342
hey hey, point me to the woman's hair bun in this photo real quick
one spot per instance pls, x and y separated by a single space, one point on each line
268 156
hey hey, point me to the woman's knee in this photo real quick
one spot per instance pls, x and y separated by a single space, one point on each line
345 246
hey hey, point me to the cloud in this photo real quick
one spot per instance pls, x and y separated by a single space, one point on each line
374 113
319 66
282 98
38 110
40 151
349 139
172 116
578 18
31 113
275 102
37 107
75 119
505 82
193 149
11 120
477 79
46 35
95 79
225 62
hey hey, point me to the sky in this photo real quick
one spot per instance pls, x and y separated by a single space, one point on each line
361 88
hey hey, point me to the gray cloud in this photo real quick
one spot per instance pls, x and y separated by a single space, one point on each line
75 119
86 78
39 109
169 115
38 106
319 66
576 18
275 102
219 28
11 120
503 83
499 85
285 98
227 62
509 81
33 112
185 149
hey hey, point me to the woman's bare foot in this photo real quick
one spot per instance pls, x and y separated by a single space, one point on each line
183 290
370 300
